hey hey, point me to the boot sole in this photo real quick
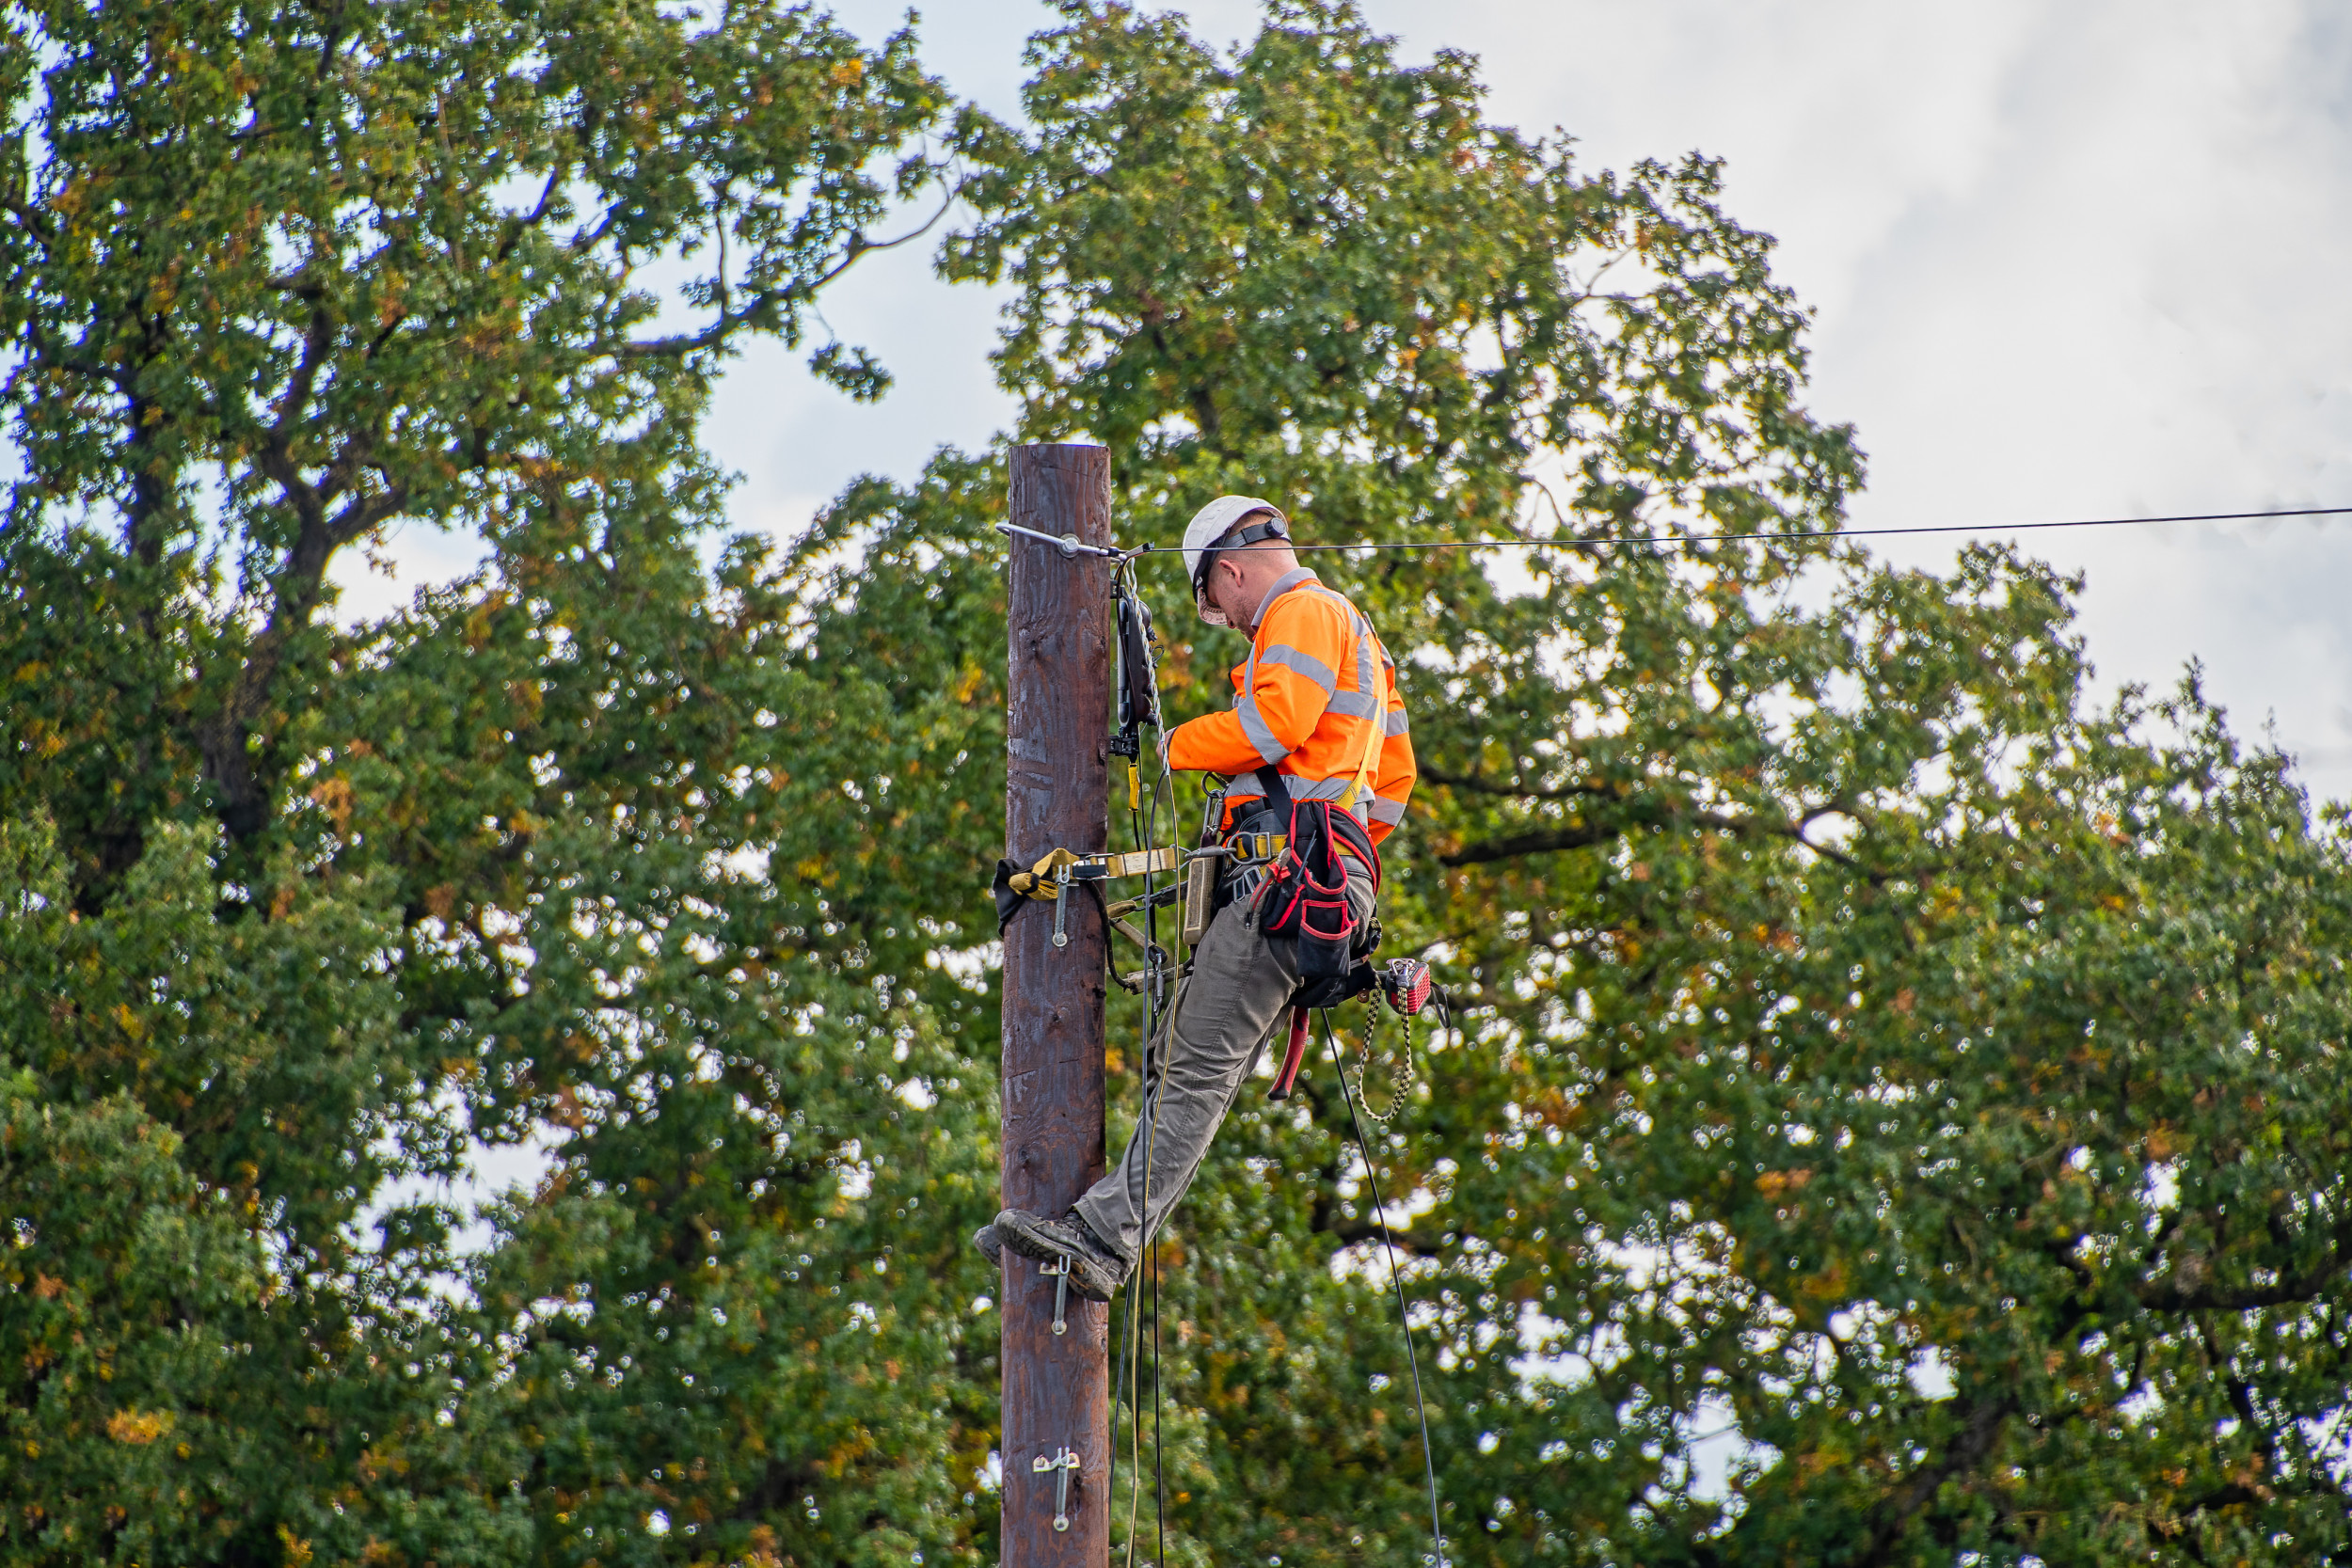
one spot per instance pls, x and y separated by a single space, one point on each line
1088 1275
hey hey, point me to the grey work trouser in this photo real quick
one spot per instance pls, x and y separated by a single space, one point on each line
1240 983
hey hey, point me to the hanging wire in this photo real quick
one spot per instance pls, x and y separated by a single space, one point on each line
1158 1022
1396 1278
1138 826
1157 1041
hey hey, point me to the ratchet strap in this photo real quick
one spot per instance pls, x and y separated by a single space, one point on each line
1044 881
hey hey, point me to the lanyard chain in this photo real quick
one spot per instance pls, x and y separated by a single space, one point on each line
1400 1071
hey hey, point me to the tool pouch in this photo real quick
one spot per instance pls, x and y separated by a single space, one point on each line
1319 916
1305 891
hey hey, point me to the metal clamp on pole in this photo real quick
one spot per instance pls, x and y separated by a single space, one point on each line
1060 1277
1054 875
1065 1461
1066 543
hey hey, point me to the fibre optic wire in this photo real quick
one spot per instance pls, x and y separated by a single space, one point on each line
1138 826
1165 1037
1615 540
1684 542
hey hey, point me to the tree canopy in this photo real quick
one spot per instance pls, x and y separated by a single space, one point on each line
1891 1118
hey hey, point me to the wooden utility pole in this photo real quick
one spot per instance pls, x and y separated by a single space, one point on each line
1056 1400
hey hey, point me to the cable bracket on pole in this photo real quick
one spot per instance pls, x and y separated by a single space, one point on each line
1060 869
1067 543
1060 1277
1065 1461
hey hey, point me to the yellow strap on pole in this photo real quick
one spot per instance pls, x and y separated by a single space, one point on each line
1137 862
1038 882
1043 880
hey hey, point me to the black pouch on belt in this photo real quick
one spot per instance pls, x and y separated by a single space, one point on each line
1305 891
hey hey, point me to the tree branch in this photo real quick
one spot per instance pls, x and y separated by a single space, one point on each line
2308 1286
28 218
763 303
1513 789
1348 1235
1978 1431
537 215
1541 842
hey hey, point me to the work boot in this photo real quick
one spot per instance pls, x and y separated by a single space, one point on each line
1094 1271
992 1246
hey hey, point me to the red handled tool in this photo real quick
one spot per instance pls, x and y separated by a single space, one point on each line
1293 1058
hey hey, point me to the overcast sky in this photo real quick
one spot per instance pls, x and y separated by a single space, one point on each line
2069 258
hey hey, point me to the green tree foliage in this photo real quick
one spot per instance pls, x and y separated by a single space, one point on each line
306 911
1871 1047
1869 1044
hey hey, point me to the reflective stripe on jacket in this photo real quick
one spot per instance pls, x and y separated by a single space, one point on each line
1316 678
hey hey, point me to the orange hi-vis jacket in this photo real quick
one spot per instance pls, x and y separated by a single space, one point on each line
1316 691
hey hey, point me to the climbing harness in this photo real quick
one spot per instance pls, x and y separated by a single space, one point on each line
1303 893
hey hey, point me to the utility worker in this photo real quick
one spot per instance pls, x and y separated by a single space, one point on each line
1316 701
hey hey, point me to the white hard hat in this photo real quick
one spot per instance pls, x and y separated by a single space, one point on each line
1211 523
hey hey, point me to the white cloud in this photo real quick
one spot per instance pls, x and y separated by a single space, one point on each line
2069 258
413 556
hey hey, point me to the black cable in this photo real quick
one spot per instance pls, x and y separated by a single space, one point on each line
1396 1278
1159 1402
1671 541
1152 1048
1124 584
1125 1342
1156 1047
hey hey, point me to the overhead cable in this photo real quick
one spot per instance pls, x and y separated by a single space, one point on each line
1071 547
1617 540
